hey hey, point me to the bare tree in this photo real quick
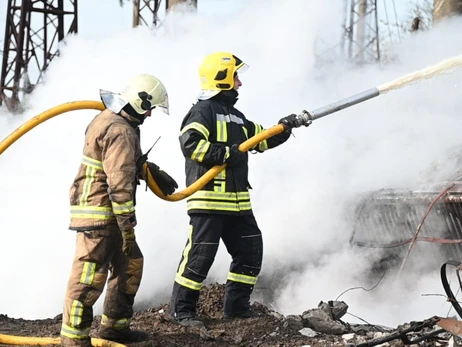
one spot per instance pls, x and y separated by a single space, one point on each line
420 17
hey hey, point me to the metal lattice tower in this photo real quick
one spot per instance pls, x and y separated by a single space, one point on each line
360 41
145 12
33 30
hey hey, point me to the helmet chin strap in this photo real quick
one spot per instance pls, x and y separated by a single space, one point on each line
139 118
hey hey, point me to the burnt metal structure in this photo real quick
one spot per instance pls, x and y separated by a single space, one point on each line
146 12
390 219
33 30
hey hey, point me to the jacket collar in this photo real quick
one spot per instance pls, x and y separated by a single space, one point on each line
227 97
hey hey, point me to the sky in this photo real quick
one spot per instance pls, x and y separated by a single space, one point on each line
304 191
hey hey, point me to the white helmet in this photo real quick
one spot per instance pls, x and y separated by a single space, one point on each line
145 92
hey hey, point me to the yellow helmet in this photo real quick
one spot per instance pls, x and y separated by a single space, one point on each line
145 92
217 71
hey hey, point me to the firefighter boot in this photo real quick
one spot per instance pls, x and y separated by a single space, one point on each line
191 322
250 313
122 335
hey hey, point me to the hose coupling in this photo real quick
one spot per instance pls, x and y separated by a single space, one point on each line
304 118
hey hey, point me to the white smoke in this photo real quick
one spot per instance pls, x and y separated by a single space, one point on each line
301 189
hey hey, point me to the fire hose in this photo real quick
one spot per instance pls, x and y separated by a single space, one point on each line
303 119
447 288
44 341
402 334
427 330
450 325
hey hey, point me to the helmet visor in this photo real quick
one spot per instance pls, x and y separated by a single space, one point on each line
242 68
164 105
240 65
163 109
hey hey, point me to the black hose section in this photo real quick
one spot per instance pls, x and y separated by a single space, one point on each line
402 334
407 341
447 288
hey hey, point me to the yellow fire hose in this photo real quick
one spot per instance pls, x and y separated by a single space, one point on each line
44 341
201 182
96 105
304 118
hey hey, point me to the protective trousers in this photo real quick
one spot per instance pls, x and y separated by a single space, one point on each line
243 240
97 252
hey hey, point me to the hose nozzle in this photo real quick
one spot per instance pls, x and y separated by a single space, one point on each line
304 118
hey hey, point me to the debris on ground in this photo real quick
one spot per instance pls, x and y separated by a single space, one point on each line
318 327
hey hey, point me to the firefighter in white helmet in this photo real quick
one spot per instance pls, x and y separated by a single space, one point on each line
210 135
102 199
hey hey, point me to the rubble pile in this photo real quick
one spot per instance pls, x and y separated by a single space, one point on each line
317 327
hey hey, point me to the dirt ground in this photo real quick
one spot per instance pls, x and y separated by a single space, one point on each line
272 329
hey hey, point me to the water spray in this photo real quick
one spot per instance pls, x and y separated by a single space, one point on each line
426 73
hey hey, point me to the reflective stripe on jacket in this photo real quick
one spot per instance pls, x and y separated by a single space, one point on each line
104 189
206 131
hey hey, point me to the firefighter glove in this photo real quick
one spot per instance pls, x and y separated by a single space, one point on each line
294 121
234 157
129 241
290 121
165 182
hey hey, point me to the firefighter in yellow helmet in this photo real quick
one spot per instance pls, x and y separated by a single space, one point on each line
102 199
210 135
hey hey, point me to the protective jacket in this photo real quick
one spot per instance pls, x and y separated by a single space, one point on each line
103 191
207 130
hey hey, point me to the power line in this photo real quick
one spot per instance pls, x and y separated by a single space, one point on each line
388 21
396 20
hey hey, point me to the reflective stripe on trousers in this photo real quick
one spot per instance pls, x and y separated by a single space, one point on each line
243 241
97 252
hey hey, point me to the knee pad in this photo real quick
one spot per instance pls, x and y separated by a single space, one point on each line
249 261
202 258
134 274
255 250
94 282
